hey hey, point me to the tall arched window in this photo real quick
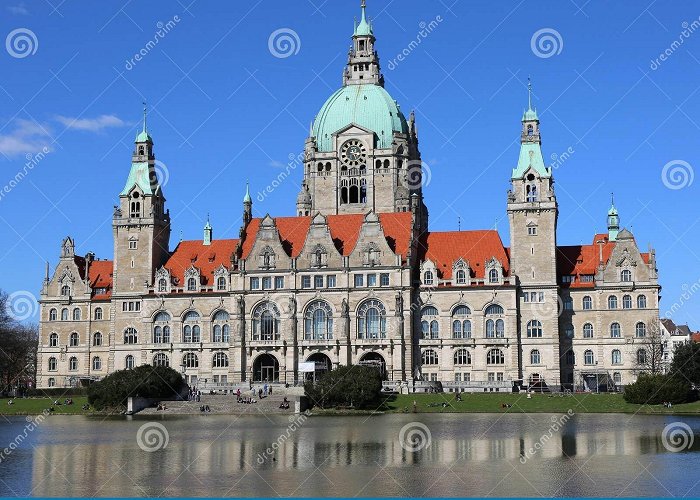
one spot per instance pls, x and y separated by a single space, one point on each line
97 339
640 330
371 320
626 276
493 276
641 357
64 314
73 364
495 327
53 315
190 360
266 322
642 302
616 357
53 364
96 363
428 278
461 327
612 302
318 321
220 360
76 314
587 303
191 329
462 357
531 192
534 329
588 331
535 357
74 339
627 302
615 331
570 358
161 328
131 336
98 313
429 357
162 285
461 277
65 290
221 328
191 284
429 323
53 340
161 359
495 357
588 358
221 283
129 362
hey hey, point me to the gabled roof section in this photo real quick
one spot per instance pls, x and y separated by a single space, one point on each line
206 258
138 176
476 247
531 156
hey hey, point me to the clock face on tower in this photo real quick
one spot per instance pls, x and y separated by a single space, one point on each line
353 153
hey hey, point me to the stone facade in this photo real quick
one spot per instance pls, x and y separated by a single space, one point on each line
355 276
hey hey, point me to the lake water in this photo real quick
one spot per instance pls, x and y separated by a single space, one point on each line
456 455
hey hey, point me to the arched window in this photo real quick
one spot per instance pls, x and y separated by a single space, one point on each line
371 320
429 357
569 331
495 327
162 285
640 330
53 340
626 276
221 283
587 303
191 284
131 336
535 357
65 290
220 360
129 362
461 277
495 357
428 278
190 360
570 358
588 331
627 302
73 364
615 331
617 378
266 322
531 192
641 357
642 301
161 359
74 339
612 302
53 365
98 313
53 315
52 382
97 339
96 363
493 276
221 328
462 357
588 358
162 317
461 328
616 357
76 314
429 323
64 314
318 321
534 329
161 328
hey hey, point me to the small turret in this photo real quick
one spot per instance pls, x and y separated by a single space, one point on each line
207 233
247 205
304 201
613 221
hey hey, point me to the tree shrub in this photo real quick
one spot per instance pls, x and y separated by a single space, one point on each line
686 363
144 381
347 386
657 389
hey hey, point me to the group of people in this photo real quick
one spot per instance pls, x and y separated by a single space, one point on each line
194 394
284 405
205 409
161 407
667 404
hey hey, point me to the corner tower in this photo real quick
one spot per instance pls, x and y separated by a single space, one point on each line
361 153
141 225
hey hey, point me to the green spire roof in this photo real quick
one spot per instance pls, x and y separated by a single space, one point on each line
139 175
613 210
247 198
530 114
143 135
531 156
364 28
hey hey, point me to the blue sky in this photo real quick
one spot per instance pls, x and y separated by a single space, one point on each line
224 109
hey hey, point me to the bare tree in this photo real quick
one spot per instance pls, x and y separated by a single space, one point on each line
648 352
18 351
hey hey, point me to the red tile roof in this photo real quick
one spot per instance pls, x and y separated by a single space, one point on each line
206 258
100 275
476 247
696 337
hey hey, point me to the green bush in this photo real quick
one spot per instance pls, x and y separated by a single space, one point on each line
686 362
347 386
656 389
144 381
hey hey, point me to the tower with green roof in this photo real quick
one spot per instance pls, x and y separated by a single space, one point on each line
613 220
141 224
361 153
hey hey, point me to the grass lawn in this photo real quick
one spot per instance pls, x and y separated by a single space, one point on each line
540 403
34 406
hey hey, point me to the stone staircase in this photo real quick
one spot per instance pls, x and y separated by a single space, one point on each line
225 405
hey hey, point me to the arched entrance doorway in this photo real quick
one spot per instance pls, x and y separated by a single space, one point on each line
322 364
375 360
266 368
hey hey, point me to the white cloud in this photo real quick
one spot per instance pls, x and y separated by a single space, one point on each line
276 164
26 137
20 9
91 124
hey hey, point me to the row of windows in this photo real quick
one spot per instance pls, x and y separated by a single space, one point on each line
189 360
625 277
460 277
267 283
462 328
463 357
131 306
615 357
640 330
65 314
371 280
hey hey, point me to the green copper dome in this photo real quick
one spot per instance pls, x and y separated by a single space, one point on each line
143 137
369 106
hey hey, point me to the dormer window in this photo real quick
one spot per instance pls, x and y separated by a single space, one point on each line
65 290
162 285
461 277
493 276
191 285
428 278
626 276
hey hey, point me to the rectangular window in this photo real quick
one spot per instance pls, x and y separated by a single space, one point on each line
458 377
279 282
532 231
467 377
541 296
567 278
433 377
384 279
267 283
491 377
318 281
587 278
254 283
499 376
526 297
371 280
306 281
359 280
133 244
330 281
